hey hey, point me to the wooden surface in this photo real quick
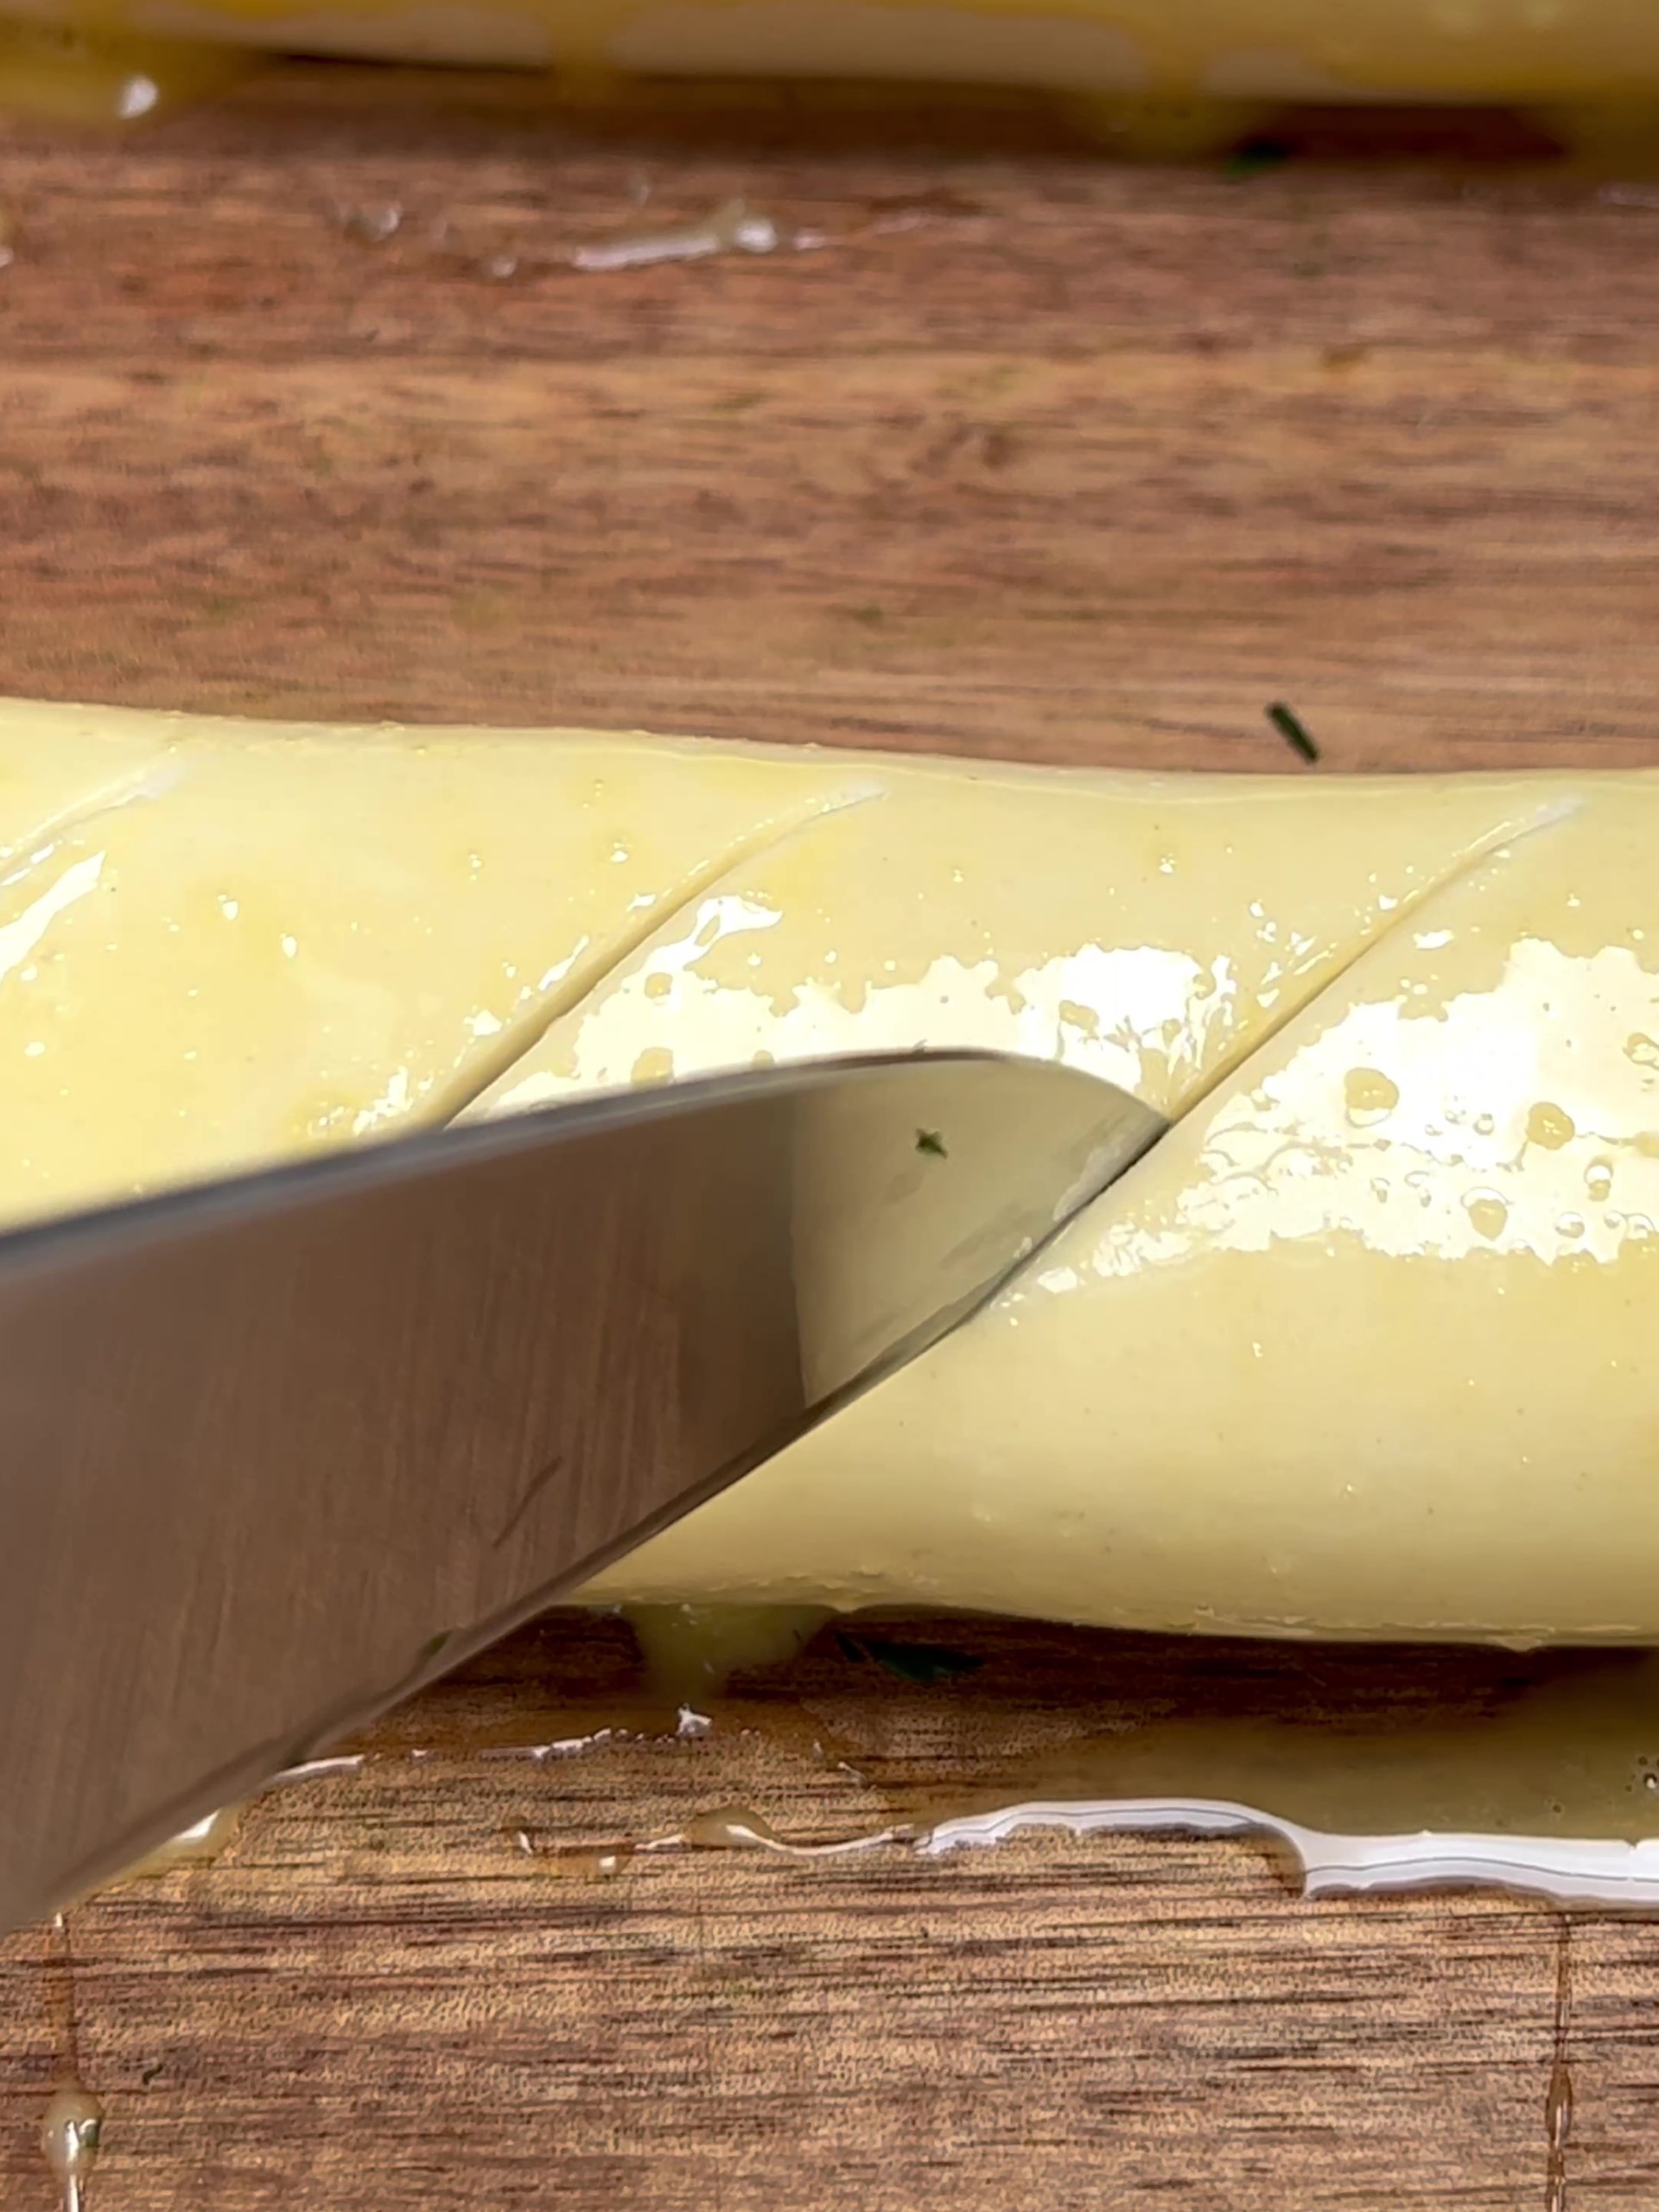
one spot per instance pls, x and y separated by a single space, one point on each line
1022 453
1029 455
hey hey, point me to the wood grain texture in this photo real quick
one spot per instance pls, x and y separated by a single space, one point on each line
1030 454
1019 452
376 1997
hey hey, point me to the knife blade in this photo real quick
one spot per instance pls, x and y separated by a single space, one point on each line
280 1448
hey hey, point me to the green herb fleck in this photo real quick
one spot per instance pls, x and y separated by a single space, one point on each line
1292 729
932 1143
1255 156
925 1663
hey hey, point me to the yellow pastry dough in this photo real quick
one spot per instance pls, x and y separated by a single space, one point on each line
1366 1346
1320 50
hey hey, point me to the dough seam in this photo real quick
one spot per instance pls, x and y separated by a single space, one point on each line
587 977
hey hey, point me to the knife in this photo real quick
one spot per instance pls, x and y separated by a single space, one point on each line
280 1448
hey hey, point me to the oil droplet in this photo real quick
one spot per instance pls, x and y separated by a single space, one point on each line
1550 1126
692 1650
373 225
1370 1096
1558 2100
578 1862
731 1827
654 1065
69 2139
1487 1213
1599 1179
732 228
1571 1226
659 983
1642 1048
196 1845
1484 1125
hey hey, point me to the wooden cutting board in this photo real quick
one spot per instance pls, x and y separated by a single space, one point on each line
304 410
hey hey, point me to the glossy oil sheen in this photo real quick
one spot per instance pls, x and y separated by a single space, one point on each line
1363 1348
1368 1346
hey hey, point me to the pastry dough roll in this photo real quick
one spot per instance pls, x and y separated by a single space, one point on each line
1320 50
1365 1346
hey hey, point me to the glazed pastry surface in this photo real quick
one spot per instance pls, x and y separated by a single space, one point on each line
1365 1346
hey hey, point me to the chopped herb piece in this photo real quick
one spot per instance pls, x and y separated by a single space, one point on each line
1290 728
1255 156
932 1142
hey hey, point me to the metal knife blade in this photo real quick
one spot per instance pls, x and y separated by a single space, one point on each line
280 1448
